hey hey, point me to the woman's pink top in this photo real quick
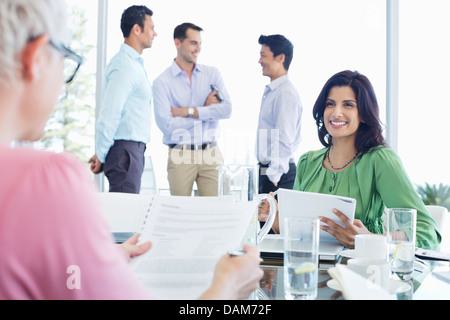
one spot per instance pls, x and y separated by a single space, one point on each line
54 243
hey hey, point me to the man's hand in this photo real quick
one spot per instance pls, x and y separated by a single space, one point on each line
96 165
212 99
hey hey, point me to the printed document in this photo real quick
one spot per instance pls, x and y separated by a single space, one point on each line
188 235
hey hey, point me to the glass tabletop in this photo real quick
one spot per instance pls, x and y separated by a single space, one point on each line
272 283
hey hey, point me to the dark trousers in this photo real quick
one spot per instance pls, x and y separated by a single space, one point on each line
286 181
267 186
124 165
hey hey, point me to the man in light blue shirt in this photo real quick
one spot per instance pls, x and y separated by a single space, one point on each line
280 117
190 99
123 120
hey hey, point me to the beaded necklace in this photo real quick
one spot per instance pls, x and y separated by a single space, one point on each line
342 167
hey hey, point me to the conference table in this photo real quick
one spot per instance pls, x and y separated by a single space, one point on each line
425 284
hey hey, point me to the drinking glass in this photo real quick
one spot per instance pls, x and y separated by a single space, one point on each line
301 258
401 237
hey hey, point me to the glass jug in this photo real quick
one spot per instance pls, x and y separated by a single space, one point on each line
240 183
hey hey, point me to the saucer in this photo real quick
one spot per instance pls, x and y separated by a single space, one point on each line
350 253
333 284
395 286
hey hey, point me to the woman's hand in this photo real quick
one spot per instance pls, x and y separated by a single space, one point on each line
264 210
345 235
131 249
235 277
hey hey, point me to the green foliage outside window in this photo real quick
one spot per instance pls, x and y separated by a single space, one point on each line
438 195
71 127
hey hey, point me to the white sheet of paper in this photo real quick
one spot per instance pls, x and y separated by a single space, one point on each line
188 235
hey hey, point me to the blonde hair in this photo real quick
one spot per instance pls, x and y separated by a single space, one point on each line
21 20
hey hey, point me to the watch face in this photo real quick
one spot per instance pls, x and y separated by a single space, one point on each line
191 111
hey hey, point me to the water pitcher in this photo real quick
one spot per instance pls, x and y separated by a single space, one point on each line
240 183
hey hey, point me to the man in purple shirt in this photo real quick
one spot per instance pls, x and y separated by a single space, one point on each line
189 101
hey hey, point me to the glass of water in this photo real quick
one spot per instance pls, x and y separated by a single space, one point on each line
301 258
401 238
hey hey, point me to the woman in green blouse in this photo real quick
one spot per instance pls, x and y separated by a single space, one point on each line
357 163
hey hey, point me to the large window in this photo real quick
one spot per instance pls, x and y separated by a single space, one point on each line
329 36
424 106
71 126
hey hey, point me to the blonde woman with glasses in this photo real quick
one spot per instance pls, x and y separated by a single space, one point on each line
54 243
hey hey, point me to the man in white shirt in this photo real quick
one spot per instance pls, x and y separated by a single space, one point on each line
279 124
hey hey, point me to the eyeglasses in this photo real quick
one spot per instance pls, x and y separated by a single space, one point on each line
72 61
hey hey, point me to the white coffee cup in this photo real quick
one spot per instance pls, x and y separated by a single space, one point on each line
375 271
371 246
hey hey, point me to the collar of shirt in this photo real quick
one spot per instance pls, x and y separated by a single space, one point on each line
272 86
133 54
176 70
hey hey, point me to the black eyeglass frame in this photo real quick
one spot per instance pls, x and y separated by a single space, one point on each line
70 54
67 53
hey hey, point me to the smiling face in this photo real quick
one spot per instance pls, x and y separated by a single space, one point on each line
189 49
341 116
272 67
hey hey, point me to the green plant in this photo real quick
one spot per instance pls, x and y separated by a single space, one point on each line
435 195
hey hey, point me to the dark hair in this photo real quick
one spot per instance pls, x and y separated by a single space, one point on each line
370 131
132 16
180 31
278 44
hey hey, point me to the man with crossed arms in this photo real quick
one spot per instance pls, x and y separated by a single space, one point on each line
187 111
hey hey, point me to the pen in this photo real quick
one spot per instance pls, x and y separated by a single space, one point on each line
236 253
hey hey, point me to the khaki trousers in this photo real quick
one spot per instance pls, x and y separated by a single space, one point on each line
186 166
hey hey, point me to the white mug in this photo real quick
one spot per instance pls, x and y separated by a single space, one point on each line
371 246
375 271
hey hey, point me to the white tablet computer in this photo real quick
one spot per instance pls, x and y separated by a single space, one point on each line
292 203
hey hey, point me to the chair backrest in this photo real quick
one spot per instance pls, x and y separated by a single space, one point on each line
124 212
439 214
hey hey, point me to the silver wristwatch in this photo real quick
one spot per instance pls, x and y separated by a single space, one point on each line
191 112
